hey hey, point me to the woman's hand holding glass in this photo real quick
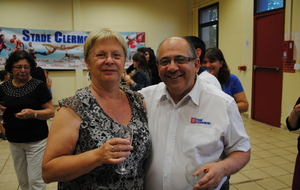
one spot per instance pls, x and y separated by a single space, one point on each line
126 133
114 151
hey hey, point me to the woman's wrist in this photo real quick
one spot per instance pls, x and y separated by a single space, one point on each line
35 114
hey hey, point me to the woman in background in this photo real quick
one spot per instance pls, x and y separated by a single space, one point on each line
48 80
142 76
28 104
151 59
215 62
4 76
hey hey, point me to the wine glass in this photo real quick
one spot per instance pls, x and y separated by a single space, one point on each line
124 132
1 113
190 169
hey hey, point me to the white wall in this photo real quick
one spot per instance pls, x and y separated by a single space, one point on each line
159 19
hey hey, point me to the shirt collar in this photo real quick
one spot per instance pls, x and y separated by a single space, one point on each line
194 94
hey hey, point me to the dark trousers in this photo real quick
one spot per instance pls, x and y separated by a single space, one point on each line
226 184
296 181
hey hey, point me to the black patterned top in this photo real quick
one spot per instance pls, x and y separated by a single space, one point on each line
32 95
95 129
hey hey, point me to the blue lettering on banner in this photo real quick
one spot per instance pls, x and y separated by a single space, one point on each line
199 121
60 38
35 37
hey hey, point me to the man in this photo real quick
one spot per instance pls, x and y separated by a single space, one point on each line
19 45
200 49
190 120
31 50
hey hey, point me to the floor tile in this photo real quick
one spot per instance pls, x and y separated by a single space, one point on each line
271 184
274 171
238 178
255 174
260 163
249 186
263 154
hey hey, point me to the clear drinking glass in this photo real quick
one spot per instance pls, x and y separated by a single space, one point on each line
124 132
190 169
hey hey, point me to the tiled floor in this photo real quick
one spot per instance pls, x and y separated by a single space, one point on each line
270 168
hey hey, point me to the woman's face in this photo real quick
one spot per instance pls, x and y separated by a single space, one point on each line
7 77
213 67
21 70
135 64
147 55
106 61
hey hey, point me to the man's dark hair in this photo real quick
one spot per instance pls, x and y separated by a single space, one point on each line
198 43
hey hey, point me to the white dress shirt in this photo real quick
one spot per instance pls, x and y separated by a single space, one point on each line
211 79
205 125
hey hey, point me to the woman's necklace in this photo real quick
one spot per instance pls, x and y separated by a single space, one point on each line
18 83
122 113
108 106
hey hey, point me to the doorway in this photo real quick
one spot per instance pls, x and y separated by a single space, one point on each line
268 67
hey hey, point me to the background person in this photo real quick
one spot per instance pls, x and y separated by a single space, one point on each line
293 123
151 59
28 105
48 80
190 120
4 76
87 157
215 62
201 49
38 73
141 77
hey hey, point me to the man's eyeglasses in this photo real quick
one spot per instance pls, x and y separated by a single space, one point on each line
178 60
19 67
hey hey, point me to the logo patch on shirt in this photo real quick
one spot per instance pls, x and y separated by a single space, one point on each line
199 121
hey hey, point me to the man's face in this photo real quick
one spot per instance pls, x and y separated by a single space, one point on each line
178 77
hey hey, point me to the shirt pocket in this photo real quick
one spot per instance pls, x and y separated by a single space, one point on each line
199 140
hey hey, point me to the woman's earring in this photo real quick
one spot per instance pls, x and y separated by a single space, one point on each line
88 76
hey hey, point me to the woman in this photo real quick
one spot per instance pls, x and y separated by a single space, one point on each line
293 123
4 76
151 59
217 66
48 80
141 78
28 104
82 150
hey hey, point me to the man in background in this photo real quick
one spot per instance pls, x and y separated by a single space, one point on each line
201 49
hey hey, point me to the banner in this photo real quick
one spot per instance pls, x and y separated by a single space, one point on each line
59 50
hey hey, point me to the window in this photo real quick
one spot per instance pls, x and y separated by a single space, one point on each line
261 6
208 25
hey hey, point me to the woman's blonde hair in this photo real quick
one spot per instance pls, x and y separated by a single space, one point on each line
103 34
